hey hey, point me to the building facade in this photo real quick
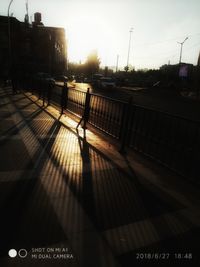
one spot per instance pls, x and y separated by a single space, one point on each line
198 61
31 48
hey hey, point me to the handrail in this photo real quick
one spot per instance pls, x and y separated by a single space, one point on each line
172 140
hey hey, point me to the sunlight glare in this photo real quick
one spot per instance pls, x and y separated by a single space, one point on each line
86 32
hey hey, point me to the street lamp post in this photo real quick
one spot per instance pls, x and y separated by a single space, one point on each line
129 45
117 63
9 38
181 43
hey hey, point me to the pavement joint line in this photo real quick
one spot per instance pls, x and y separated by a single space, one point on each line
12 176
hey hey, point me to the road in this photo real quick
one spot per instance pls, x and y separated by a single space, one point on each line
158 99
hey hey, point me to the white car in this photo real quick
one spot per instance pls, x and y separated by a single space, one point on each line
107 82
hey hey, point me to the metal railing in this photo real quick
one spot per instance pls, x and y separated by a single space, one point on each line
76 101
171 140
106 114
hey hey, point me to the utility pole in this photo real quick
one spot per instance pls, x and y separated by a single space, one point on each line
9 40
129 45
181 43
117 63
27 16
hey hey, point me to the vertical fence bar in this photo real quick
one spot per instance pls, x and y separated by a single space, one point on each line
125 125
86 112
39 84
43 92
64 97
87 108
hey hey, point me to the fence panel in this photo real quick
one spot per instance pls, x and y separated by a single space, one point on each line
169 139
76 101
106 114
56 95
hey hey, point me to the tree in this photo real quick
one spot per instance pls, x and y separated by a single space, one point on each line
92 63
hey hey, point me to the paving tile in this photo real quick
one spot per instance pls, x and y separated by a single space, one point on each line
27 217
4 113
14 156
7 127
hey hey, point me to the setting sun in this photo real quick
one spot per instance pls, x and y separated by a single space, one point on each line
90 32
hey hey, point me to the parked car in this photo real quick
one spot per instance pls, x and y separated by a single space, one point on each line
106 82
79 78
97 77
87 80
45 77
61 78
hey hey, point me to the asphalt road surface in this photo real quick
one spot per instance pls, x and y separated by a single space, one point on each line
158 99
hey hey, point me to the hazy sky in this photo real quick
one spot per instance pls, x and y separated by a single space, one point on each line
105 24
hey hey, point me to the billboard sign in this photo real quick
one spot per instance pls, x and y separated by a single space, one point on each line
183 71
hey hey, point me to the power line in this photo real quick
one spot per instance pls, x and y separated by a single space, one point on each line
166 41
188 48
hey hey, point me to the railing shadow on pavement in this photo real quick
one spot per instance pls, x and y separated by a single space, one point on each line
31 185
66 156
19 196
18 126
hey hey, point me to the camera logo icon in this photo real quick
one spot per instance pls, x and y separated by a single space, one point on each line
22 253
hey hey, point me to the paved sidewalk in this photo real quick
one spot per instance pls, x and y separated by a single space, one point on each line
70 200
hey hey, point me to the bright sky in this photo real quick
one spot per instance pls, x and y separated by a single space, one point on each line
104 25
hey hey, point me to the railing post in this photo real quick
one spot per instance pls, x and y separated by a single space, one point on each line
125 127
64 97
49 91
86 112
87 108
39 85
44 87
